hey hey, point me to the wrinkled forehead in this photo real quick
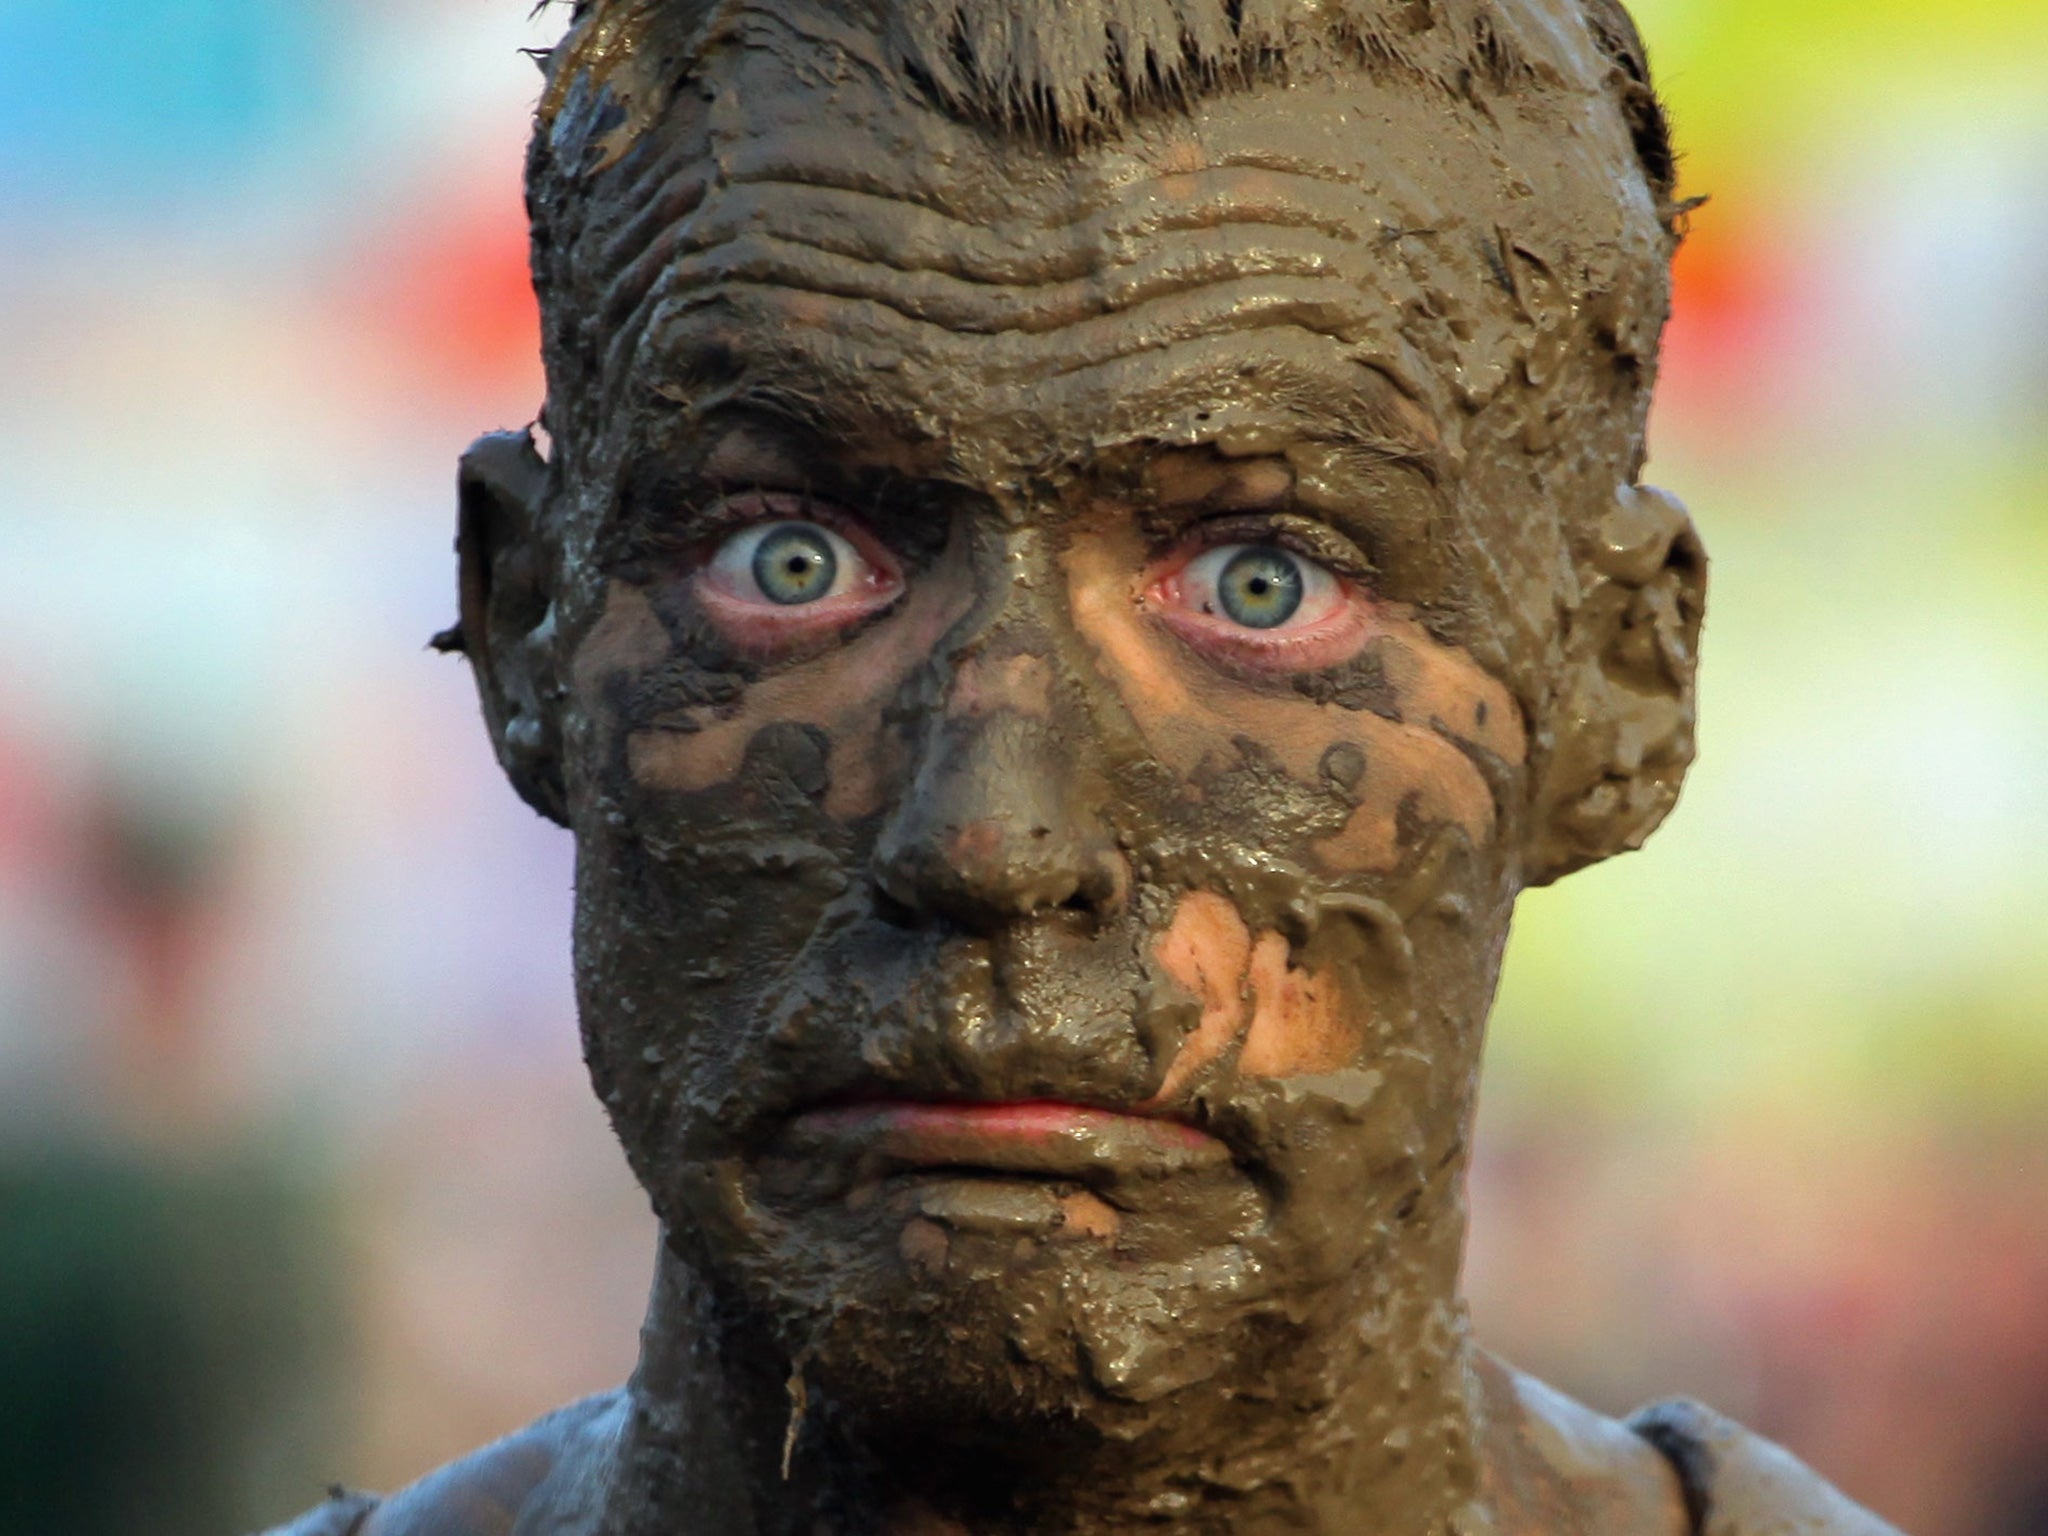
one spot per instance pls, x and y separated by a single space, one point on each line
1349 258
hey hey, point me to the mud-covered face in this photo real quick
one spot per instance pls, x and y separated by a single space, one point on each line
1045 833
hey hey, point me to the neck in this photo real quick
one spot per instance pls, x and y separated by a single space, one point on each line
1373 1424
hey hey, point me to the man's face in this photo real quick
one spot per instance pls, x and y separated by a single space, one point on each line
1045 837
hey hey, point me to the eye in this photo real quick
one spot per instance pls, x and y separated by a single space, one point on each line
789 564
774 582
1261 608
1256 586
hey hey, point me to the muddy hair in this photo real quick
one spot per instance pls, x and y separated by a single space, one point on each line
1074 71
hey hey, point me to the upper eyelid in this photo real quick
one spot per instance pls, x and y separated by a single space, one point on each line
806 502
1309 537
868 546
719 514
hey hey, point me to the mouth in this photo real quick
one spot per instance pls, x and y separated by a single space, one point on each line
1031 1139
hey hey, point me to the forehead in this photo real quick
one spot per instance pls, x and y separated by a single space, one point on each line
1331 260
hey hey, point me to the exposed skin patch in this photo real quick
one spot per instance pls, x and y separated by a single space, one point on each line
1402 760
1178 158
1300 1024
1022 682
1217 484
1090 1216
978 842
1292 1021
1207 950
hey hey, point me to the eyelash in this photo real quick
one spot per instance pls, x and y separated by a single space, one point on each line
1298 535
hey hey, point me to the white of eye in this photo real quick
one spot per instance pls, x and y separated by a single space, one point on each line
786 564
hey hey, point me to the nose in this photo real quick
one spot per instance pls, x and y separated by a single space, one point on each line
1004 815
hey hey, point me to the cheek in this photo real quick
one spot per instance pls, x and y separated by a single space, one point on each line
1417 743
1410 778
1291 1021
842 693
1408 711
1207 951
1299 1023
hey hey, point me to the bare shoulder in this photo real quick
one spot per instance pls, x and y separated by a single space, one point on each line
1740 1484
547 1478
342 1515
1553 1465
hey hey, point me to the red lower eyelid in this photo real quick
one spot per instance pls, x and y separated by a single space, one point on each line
762 626
1325 641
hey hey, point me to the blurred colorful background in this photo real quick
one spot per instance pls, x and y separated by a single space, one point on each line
300 1180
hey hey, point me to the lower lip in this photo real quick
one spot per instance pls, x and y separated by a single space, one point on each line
1042 1138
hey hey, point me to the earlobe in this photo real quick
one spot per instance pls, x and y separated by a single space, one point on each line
1621 730
507 621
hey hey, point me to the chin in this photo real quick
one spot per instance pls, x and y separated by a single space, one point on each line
975 1306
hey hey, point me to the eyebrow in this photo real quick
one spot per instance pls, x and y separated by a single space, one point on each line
1409 431
700 377
1378 420
1371 414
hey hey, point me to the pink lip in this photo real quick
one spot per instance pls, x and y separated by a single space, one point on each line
1038 1137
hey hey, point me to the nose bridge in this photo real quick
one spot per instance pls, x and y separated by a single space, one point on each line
1003 813
1001 672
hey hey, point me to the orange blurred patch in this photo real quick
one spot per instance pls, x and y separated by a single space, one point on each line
445 288
468 300
1733 320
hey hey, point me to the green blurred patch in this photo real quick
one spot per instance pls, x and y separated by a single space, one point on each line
167 1345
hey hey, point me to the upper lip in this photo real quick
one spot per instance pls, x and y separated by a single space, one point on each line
1045 1138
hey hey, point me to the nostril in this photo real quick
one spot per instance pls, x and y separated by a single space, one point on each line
893 909
982 871
1106 883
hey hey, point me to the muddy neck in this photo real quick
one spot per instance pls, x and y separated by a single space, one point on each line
1374 1422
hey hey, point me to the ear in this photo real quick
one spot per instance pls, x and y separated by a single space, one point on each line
1621 728
508 620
